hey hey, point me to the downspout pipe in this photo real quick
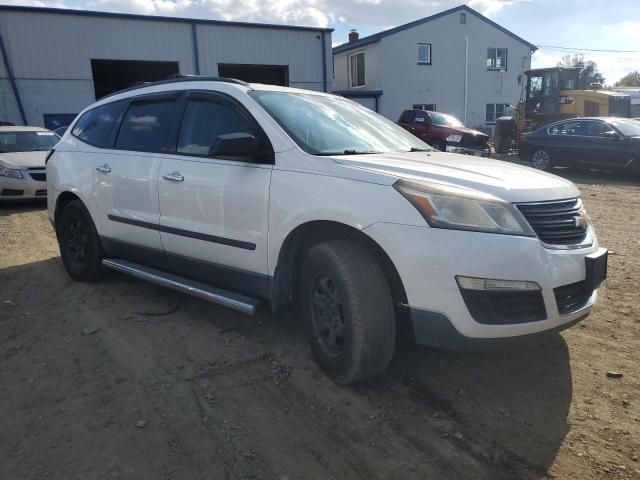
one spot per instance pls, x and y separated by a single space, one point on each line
466 77
194 42
324 61
12 80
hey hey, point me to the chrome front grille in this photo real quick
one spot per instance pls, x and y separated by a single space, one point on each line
561 222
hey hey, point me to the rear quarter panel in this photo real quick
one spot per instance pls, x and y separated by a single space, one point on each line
71 169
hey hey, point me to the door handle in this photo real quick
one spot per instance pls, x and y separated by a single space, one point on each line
173 177
104 168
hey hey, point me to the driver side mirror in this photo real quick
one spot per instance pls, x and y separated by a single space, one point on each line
241 144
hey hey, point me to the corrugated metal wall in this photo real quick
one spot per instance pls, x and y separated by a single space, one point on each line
51 54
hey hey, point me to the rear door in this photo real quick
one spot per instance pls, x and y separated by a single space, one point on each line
126 177
214 210
565 142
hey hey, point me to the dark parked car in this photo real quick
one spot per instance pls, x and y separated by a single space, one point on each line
599 142
445 132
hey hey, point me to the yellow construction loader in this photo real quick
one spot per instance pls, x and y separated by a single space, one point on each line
552 94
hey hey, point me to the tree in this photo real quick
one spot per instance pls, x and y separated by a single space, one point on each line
589 72
631 79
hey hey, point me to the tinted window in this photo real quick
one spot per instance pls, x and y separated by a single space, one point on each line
421 117
26 141
95 126
146 127
574 127
204 121
407 116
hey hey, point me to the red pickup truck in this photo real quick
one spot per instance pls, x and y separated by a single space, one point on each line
445 132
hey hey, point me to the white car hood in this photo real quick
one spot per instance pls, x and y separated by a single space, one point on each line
508 181
23 159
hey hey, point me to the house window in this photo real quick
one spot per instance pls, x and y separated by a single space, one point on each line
425 106
424 54
497 59
463 18
356 69
494 110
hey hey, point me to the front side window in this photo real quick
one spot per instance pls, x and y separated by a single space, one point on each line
582 128
497 59
424 54
356 69
95 126
494 110
205 120
332 125
146 127
27 141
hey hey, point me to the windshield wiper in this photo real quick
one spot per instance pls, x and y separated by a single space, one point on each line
346 152
415 149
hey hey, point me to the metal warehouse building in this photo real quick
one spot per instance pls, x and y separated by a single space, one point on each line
55 62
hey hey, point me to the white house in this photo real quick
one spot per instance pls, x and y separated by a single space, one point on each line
457 61
54 62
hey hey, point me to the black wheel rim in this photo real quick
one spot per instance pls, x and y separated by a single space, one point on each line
77 241
327 315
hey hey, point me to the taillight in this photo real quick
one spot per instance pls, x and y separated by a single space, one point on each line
49 155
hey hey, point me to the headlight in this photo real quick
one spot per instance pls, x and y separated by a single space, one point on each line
454 138
461 209
10 172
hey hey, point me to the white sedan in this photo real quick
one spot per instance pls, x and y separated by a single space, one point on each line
23 151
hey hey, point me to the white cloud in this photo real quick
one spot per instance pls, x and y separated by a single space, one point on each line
374 13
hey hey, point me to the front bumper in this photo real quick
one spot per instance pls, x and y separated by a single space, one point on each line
429 259
478 152
26 188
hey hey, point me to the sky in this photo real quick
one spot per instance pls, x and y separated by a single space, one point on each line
575 25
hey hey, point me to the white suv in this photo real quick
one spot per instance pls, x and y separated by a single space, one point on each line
238 193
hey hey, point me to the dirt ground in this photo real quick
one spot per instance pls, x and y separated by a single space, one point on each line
123 379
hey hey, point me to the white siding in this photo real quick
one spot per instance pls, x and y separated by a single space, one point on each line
51 54
404 83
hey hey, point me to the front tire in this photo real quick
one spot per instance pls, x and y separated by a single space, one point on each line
348 311
541 160
79 243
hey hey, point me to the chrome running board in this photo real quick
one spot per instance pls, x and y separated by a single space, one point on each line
225 298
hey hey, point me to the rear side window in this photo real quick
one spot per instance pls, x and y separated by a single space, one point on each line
147 126
205 119
95 126
407 116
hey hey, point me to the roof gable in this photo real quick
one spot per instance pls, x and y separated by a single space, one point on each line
376 37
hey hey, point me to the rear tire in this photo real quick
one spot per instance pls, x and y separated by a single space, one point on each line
541 160
348 311
79 243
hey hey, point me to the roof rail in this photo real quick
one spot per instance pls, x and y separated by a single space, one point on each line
178 78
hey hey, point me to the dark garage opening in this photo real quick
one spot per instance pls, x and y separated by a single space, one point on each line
112 75
269 74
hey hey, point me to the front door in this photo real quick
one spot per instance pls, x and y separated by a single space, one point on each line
126 177
214 210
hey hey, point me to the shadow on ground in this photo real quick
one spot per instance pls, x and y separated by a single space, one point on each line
13 208
126 378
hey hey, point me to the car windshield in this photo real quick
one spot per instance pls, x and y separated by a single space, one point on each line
445 120
629 128
331 125
27 141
